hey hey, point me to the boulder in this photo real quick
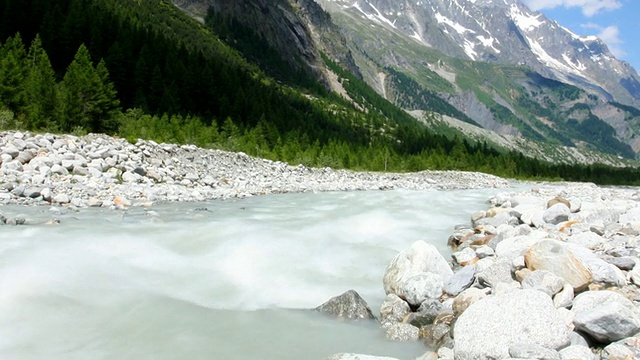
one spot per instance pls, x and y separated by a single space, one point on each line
556 214
435 335
564 298
543 280
61 199
498 272
558 200
606 316
393 310
576 204
519 245
419 258
349 305
484 251
466 298
634 274
588 239
490 326
421 287
465 256
577 352
460 281
526 350
553 256
622 263
628 348
402 332
601 271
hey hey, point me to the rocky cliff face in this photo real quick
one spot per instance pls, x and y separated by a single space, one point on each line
299 30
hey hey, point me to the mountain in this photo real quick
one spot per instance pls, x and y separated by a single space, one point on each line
506 68
506 32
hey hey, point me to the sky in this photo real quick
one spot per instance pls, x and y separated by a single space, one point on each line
616 22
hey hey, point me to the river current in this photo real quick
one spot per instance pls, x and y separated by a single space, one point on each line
215 280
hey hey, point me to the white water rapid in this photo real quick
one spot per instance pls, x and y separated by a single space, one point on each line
216 280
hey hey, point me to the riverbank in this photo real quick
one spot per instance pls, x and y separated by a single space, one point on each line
549 273
98 170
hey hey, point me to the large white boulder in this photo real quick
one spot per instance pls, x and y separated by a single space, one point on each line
490 326
420 257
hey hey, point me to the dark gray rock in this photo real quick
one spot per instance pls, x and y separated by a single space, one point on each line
623 263
349 305
31 193
140 171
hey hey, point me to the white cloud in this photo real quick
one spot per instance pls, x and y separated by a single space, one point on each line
589 7
611 36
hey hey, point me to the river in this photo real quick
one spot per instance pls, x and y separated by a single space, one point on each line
215 280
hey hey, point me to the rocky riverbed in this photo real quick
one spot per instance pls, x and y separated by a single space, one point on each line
550 273
98 170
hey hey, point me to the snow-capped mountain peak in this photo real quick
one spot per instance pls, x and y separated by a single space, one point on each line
505 31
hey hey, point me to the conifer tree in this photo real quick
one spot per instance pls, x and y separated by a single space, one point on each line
12 73
39 88
89 98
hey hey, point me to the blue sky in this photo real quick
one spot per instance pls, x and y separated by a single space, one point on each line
617 22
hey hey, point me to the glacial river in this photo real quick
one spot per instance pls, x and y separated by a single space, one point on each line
215 280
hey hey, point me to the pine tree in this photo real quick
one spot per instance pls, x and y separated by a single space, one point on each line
39 88
89 98
12 73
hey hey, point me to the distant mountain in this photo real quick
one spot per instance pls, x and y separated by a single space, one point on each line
506 32
506 68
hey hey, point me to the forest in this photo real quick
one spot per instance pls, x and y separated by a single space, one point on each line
144 69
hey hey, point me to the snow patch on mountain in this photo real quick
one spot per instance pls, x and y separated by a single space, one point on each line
525 22
469 49
378 17
488 42
441 19
547 59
